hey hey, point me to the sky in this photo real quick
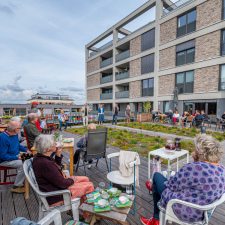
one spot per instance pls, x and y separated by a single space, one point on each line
42 43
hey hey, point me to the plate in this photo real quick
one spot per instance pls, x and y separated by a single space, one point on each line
68 141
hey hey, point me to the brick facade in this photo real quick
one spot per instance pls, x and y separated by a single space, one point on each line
208 13
166 84
135 90
93 80
135 67
94 64
135 46
93 94
168 30
207 46
206 79
167 58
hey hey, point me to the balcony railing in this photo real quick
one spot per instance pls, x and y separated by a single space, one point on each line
123 75
123 55
106 62
107 79
105 96
105 46
176 5
122 94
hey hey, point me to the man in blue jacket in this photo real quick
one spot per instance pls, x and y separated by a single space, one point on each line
10 153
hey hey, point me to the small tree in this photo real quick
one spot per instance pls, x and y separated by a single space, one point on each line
147 106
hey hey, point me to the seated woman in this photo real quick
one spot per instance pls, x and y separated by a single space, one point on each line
49 175
175 117
200 182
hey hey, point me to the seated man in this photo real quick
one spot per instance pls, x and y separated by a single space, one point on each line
82 143
31 129
198 118
10 153
63 118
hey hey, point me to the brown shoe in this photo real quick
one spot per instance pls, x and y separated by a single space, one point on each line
19 190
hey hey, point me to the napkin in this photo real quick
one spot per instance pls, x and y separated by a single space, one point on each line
119 205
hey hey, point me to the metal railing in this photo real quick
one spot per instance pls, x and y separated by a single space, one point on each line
123 55
122 94
106 79
176 5
106 62
105 96
123 75
103 47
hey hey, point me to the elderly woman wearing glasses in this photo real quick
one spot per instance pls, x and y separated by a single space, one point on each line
200 182
49 175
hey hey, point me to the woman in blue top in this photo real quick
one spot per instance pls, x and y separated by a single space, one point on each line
100 114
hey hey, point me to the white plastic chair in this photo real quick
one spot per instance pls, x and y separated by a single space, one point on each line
168 214
54 216
116 177
44 208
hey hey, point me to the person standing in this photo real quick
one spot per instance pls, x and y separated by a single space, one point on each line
85 110
100 114
63 118
128 113
115 114
33 108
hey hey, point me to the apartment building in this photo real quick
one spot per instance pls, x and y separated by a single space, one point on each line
183 47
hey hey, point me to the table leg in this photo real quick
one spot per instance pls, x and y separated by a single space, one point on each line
188 157
168 170
26 189
71 162
149 166
92 220
177 165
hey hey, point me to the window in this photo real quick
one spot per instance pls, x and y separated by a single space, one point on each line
222 78
126 88
148 87
185 82
223 42
186 23
8 111
223 10
188 107
140 107
166 106
106 91
147 64
21 112
148 40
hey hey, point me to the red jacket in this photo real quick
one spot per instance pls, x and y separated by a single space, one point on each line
38 125
49 176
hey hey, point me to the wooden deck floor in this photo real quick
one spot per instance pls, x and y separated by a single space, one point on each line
15 205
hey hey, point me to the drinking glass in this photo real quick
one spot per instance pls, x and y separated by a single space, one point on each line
101 187
112 202
90 197
129 191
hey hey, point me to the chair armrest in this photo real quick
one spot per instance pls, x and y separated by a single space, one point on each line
55 216
113 155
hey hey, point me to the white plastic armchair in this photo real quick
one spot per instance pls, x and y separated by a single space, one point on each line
44 208
168 213
54 216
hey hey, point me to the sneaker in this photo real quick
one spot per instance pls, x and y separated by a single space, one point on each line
150 221
89 166
149 185
19 190
156 222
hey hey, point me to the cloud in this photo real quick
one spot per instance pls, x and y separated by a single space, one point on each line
13 86
6 10
75 89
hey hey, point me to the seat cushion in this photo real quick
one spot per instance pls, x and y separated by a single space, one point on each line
74 222
116 178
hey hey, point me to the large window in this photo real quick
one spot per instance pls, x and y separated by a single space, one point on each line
222 78
166 107
147 64
148 87
186 23
185 81
223 42
223 10
148 40
21 112
8 111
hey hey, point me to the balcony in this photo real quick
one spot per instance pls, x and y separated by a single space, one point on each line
123 55
123 75
105 46
122 94
105 96
106 79
106 62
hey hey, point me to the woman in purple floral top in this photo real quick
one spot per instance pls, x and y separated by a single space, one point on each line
200 182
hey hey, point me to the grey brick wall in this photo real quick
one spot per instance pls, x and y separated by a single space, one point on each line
206 79
135 89
168 30
167 58
94 94
208 13
94 64
93 80
166 84
207 46
135 46
135 67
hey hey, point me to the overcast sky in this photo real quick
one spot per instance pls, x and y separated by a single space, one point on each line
42 43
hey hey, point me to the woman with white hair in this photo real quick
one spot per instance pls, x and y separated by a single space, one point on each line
49 175
200 182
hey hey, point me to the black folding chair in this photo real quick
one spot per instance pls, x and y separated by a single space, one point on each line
96 149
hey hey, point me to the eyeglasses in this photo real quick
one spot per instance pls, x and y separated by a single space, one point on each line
19 128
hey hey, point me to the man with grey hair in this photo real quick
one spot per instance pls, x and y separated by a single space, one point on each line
30 128
10 153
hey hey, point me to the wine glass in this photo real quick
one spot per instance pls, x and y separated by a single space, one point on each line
101 187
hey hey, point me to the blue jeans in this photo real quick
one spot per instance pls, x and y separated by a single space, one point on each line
60 124
158 188
114 118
